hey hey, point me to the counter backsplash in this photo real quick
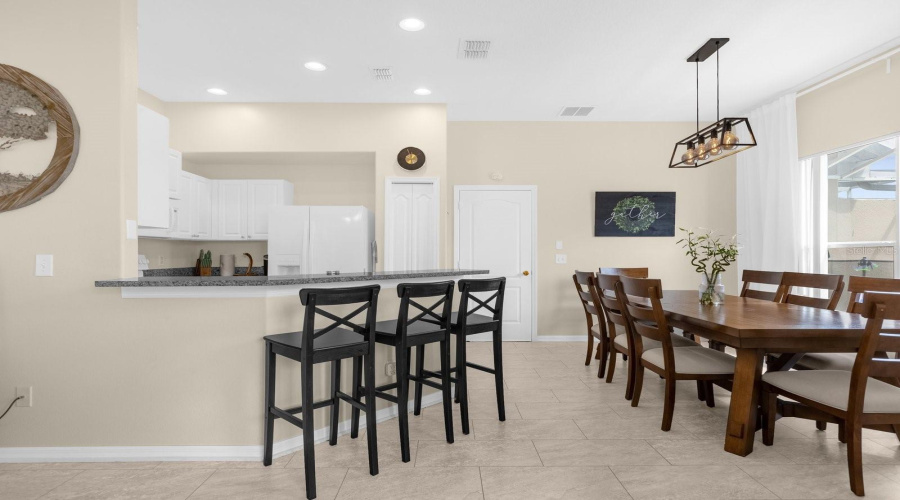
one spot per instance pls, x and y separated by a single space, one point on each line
191 271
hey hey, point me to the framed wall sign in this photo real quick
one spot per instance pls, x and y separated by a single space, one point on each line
38 138
622 213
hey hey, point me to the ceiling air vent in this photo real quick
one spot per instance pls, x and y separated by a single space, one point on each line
474 49
382 74
576 111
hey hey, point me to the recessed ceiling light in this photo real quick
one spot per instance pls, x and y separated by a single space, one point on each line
216 91
315 66
412 24
422 91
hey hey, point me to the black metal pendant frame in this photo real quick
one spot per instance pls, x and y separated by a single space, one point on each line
718 128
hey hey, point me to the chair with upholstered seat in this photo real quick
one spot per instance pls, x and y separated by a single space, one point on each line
342 339
620 334
855 399
418 324
596 329
648 322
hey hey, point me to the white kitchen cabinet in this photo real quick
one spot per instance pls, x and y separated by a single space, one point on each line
263 195
153 169
175 186
411 225
201 207
231 209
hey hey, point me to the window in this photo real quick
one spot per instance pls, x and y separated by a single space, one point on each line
854 211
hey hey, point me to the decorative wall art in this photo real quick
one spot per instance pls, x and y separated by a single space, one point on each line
634 213
38 138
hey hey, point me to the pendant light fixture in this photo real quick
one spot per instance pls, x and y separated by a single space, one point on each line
719 140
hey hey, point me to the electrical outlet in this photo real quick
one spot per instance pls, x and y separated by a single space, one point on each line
560 258
162 260
43 265
390 369
24 391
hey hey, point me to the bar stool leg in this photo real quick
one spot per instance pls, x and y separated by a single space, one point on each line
356 394
403 400
498 373
445 388
461 391
371 435
309 449
420 372
270 402
335 402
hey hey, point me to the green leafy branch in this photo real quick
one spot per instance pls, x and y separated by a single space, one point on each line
708 254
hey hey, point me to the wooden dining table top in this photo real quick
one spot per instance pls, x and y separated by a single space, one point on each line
754 323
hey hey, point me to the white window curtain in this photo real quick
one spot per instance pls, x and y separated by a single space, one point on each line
772 193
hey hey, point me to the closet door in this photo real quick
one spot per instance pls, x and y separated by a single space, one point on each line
411 226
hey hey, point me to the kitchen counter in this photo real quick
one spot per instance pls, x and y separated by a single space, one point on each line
235 286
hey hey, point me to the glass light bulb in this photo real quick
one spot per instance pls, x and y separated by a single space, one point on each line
729 140
713 146
700 151
688 156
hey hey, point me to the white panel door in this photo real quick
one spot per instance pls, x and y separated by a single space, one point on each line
411 230
262 196
201 207
232 210
495 232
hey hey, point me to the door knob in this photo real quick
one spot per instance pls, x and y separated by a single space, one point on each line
526 273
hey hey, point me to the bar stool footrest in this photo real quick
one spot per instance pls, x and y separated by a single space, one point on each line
481 367
278 412
354 403
426 381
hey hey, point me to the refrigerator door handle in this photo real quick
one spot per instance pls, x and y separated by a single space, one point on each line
374 254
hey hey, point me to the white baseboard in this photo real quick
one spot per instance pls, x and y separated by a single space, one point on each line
561 338
187 453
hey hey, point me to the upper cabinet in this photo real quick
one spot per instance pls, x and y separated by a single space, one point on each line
176 191
244 205
232 210
153 169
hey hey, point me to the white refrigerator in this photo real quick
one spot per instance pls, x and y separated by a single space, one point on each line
319 239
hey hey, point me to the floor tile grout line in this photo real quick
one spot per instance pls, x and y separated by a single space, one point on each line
758 482
201 483
620 482
80 472
481 480
538 453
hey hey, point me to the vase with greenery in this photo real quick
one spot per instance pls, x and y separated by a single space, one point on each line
710 257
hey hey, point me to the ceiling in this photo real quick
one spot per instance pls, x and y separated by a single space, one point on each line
627 58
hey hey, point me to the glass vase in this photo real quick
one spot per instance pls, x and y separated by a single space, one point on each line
711 293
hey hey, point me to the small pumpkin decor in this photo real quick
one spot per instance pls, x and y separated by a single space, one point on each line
32 112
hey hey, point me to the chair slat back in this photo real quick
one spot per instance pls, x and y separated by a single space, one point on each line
609 302
751 277
631 272
859 286
646 317
312 298
582 286
833 283
877 307
434 314
493 304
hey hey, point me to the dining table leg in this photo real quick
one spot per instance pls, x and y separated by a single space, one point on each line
744 402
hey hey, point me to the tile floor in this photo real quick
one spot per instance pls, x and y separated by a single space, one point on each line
567 435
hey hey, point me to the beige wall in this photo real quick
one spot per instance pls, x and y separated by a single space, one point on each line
568 162
862 106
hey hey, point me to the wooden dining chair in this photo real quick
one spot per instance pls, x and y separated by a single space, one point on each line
672 363
832 283
595 329
619 331
858 287
854 399
751 277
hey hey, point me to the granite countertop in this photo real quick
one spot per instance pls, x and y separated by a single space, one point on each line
300 279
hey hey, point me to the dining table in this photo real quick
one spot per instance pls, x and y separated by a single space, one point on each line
755 328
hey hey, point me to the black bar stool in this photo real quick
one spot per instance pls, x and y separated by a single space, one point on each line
463 325
341 339
407 332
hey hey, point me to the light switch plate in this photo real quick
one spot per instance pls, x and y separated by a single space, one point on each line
43 265
131 229
560 258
